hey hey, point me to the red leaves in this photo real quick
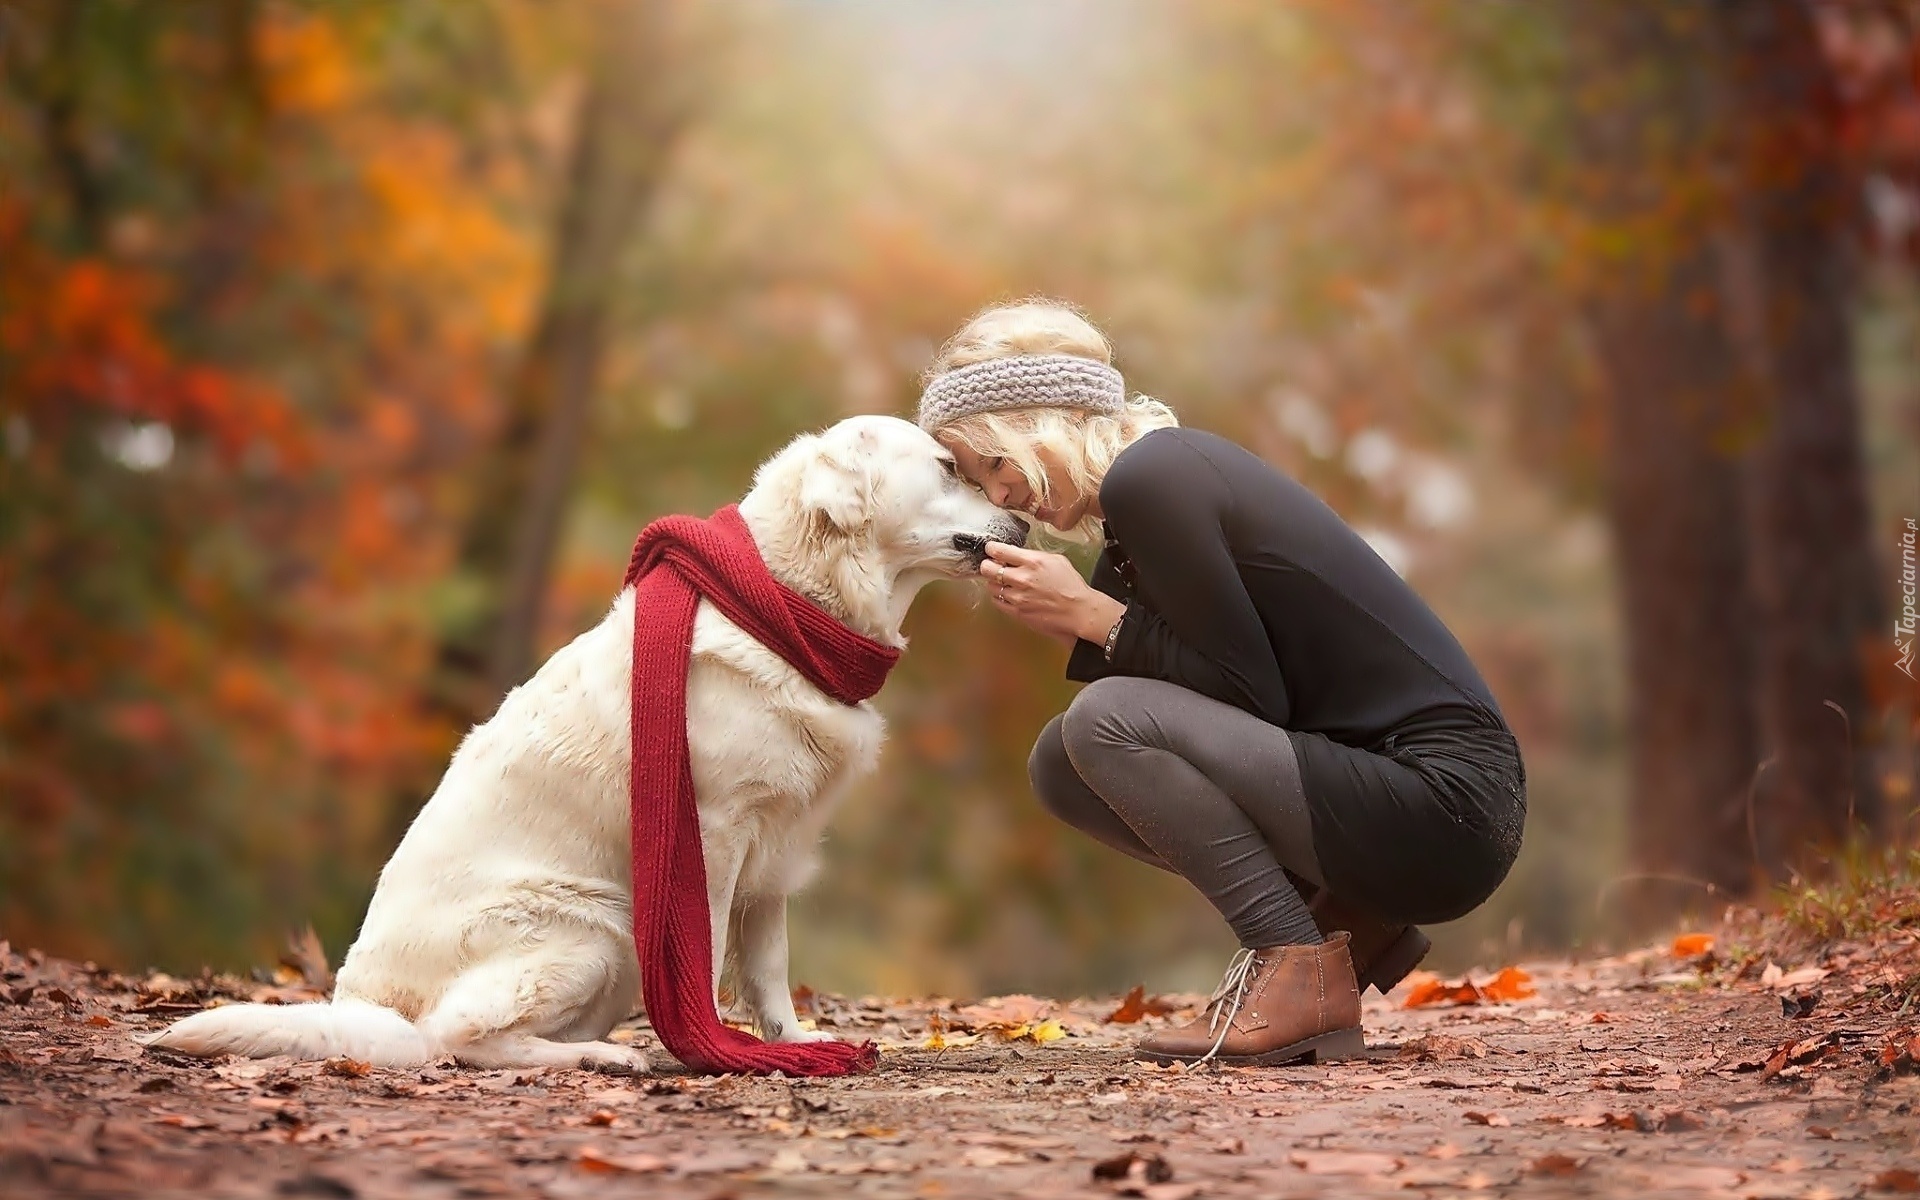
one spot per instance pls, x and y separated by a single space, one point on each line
1136 1005
80 336
1799 1054
1899 1054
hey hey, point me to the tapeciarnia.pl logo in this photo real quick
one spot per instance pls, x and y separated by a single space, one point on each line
1903 629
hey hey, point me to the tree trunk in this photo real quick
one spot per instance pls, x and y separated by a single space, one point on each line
1673 497
1814 572
1676 396
629 117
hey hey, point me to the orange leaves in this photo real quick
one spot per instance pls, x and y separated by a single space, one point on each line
1510 984
1692 945
306 65
1426 989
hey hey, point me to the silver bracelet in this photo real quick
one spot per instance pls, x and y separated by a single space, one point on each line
1113 637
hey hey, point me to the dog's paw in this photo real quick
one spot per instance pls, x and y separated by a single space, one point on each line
608 1058
797 1034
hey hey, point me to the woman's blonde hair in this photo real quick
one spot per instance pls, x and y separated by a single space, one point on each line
1086 443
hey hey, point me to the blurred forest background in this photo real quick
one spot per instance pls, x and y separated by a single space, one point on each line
344 347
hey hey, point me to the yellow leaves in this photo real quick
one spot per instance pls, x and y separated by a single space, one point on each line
441 234
1039 1033
1005 1018
941 1039
1425 989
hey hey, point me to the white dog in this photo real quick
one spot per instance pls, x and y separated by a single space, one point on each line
501 930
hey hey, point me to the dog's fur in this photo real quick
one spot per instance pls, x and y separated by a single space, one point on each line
501 929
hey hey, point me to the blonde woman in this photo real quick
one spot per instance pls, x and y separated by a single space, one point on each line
1271 712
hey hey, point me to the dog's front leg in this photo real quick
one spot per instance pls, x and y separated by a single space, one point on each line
763 971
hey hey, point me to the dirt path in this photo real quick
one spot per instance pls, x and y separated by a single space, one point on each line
1637 1075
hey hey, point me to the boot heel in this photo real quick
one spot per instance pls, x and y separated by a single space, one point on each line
1396 962
1340 1044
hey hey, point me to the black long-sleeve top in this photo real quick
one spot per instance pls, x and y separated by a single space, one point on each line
1243 585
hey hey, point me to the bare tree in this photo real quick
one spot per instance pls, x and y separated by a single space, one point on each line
1813 572
636 101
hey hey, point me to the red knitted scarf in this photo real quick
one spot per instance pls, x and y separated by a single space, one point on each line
676 561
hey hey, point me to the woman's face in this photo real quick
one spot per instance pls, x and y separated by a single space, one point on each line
1006 487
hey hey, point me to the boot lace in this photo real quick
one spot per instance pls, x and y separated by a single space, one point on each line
1225 1003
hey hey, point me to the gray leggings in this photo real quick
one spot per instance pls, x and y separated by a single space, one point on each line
1189 785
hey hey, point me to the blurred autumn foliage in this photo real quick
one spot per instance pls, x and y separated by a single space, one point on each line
344 346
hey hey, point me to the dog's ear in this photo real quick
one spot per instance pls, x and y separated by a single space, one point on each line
836 492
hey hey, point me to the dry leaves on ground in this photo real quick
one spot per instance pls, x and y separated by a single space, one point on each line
1137 1004
1426 988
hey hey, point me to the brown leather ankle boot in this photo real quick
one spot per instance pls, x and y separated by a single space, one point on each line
1276 1005
1383 954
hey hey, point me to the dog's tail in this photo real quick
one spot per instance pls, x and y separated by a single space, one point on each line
346 1028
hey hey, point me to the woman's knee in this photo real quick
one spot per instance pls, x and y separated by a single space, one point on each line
1051 772
1108 714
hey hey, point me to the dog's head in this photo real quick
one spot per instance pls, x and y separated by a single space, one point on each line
882 488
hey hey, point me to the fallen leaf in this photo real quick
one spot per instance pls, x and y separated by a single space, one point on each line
1557 1166
1005 1012
182 1121
1134 1166
1704 1179
1692 945
870 1166
1795 1005
990 1156
1796 1054
1438 991
788 1162
939 1038
307 959
1896 1179
1013 1141
1776 980
1344 1162
600 1162
1900 1053
1493 1119
1132 1007
1442 1047
1510 984
346 1068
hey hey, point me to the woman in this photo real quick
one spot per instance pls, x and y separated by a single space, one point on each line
1272 713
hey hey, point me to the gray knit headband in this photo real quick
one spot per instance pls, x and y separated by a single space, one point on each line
1022 381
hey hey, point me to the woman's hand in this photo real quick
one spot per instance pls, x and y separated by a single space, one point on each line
1045 593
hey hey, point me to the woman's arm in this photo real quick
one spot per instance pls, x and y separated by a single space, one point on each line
1193 623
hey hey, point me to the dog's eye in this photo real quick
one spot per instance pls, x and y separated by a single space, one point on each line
951 467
